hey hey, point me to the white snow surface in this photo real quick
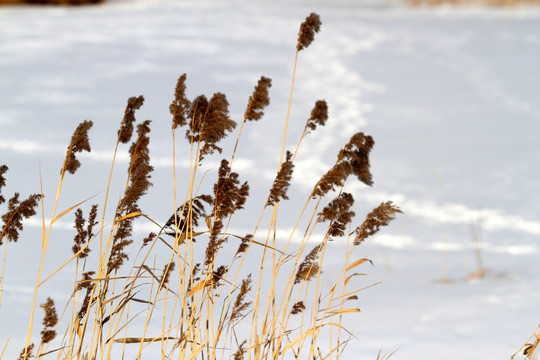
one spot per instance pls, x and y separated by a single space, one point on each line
450 95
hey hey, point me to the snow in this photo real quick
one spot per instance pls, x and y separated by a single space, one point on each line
449 95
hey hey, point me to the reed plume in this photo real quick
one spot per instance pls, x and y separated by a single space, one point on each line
79 142
259 100
318 116
240 304
210 122
17 211
380 216
140 172
353 159
298 307
84 235
126 128
26 353
180 106
49 321
338 213
281 182
309 267
308 28
3 170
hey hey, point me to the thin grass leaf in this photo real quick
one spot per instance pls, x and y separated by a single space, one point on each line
69 209
351 276
358 262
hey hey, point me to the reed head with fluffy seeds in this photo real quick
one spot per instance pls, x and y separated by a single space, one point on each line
309 27
79 142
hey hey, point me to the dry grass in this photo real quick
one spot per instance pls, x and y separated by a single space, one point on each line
181 292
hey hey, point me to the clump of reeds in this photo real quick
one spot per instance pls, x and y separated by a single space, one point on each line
262 300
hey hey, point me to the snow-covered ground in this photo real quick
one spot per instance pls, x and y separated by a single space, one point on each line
449 95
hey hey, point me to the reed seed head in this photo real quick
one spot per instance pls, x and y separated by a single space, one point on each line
239 354
180 106
298 308
352 159
281 182
244 244
84 235
318 116
380 216
126 128
3 170
218 275
240 304
339 214
17 211
167 270
49 321
308 28
26 353
309 267
357 152
79 142
229 195
183 214
210 122
259 100
147 240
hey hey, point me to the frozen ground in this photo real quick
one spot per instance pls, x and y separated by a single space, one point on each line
450 96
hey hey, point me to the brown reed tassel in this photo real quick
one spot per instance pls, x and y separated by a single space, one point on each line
298 308
318 116
84 235
259 100
229 196
17 211
244 244
338 213
26 353
49 321
3 170
357 151
309 267
282 182
239 354
180 106
308 28
182 214
126 128
217 276
167 270
240 305
140 172
210 122
88 284
380 216
79 142
352 159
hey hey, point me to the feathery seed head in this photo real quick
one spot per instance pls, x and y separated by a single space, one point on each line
180 106
126 127
79 142
259 100
309 27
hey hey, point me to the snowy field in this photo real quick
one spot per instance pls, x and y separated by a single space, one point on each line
451 97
